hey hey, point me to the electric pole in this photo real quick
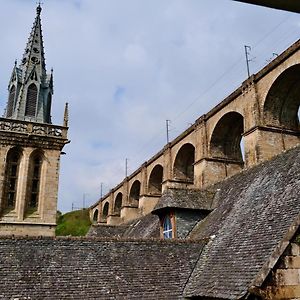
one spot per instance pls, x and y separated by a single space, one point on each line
168 129
83 200
126 167
247 53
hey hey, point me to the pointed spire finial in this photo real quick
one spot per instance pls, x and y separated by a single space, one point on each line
66 115
34 56
39 7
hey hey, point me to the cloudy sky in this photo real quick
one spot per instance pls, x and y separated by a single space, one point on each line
126 66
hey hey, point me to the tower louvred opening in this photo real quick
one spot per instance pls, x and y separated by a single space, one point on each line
31 101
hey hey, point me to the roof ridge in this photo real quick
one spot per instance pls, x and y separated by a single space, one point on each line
105 239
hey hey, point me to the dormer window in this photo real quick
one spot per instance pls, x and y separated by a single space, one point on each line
168 226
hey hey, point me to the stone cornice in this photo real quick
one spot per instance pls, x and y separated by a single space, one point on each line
26 133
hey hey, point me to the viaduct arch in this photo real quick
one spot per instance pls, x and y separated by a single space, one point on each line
257 121
226 137
183 168
283 99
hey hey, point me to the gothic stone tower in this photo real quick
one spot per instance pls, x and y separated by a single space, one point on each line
30 146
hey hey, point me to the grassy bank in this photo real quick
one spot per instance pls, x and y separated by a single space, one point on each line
74 223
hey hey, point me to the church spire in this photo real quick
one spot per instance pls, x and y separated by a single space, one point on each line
34 56
30 88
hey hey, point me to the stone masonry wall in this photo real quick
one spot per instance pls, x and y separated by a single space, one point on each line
284 281
30 138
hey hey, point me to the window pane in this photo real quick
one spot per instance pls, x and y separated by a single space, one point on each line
11 199
11 179
36 171
14 170
35 185
168 234
33 201
167 228
12 184
15 158
34 174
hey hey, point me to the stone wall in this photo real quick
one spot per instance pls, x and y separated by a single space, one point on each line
284 280
29 139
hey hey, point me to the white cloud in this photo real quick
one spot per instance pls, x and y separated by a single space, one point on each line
135 54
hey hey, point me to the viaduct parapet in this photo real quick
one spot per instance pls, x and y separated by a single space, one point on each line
256 122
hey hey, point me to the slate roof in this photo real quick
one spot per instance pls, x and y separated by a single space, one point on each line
19 74
144 227
60 268
257 215
185 199
106 231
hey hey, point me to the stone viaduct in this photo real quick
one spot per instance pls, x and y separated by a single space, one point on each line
254 123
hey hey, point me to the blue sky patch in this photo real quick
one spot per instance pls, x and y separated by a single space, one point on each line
119 93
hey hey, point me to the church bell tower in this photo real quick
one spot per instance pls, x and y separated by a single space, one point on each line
30 146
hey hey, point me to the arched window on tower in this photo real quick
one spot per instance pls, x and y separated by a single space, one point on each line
11 179
31 101
33 183
11 101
